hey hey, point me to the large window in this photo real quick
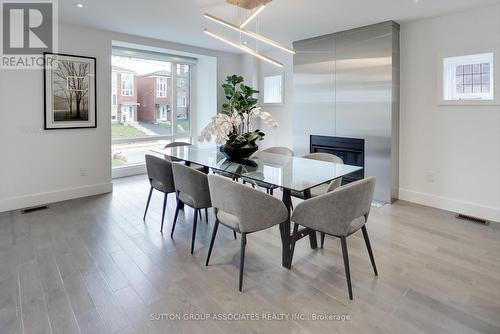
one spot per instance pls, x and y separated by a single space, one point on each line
154 107
127 84
183 95
468 77
114 97
114 90
161 86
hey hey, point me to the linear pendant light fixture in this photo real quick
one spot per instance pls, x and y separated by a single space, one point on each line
251 17
249 5
250 33
243 48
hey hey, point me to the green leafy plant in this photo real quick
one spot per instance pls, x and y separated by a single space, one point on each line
232 126
240 97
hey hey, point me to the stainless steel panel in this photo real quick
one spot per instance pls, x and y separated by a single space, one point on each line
314 90
364 98
363 101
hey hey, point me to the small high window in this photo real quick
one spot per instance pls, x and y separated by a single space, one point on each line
468 77
273 89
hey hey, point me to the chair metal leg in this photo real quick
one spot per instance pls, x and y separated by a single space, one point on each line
242 258
343 241
214 233
294 239
271 191
369 247
199 213
234 233
322 239
267 191
193 236
177 208
147 203
206 215
163 212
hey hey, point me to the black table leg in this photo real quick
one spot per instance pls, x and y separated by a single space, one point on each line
181 204
313 241
285 230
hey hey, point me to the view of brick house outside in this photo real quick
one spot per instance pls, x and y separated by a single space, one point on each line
150 106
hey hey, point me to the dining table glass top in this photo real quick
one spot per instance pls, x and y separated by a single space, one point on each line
293 173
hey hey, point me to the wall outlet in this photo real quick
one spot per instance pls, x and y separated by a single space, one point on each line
430 176
83 171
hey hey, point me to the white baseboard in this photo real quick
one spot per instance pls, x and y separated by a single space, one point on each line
451 204
20 202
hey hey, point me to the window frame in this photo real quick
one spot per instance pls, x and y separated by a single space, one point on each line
160 109
129 110
449 95
164 92
127 91
187 135
281 93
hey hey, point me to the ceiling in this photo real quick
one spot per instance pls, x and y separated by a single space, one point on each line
283 20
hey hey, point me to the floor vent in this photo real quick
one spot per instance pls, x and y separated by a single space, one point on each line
472 219
34 209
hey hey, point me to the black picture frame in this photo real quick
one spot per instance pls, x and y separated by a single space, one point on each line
49 112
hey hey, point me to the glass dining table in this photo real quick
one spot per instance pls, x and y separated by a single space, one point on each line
290 174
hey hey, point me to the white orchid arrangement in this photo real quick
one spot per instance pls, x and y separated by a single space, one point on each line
232 126
227 128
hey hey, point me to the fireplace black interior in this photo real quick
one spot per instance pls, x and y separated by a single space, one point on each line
351 150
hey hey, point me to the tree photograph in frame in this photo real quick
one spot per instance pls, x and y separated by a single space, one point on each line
70 91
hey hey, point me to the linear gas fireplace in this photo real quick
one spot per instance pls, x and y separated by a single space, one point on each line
351 150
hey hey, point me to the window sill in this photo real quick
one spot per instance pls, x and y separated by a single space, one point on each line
467 103
128 170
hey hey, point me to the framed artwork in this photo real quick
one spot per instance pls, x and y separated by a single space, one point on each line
70 92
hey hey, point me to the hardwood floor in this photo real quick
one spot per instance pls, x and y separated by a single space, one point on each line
93 266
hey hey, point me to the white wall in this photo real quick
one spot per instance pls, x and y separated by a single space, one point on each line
38 166
282 136
459 144
254 71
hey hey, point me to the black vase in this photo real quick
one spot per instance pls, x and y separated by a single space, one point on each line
238 153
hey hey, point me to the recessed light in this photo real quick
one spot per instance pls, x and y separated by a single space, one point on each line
79 5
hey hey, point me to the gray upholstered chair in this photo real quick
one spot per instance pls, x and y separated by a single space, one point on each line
160 178
175 144
323 188
279 150
339 213
274 150
192 190
244 210
179 144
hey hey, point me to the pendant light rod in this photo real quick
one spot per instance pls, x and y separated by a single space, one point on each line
243 48
251 17
249 33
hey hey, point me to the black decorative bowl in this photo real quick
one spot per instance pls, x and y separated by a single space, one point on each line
238 153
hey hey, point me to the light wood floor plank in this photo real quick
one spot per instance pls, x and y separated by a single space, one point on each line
92 265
